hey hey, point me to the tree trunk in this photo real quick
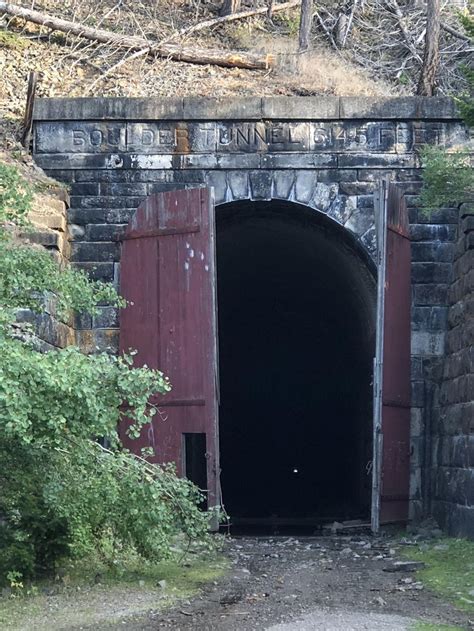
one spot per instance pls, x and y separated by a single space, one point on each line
132 43
305 25
429 69
230 6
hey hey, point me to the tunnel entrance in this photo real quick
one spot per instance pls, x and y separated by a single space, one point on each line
296 298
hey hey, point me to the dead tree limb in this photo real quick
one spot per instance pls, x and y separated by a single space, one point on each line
429 69
405 32
132 43
233 16
349 23
452 31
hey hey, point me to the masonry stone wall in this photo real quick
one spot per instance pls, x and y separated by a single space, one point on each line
325 153
49 230
452 475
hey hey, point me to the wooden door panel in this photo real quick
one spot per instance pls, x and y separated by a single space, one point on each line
392 366
168 273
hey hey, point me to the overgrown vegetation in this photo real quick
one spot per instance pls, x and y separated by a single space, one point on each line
448 176
449 569
431 626
63 495
466 101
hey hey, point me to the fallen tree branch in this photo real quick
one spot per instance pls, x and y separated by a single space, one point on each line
134 43
452 31
408 39
240 15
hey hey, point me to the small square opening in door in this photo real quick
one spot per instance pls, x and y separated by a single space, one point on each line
195 461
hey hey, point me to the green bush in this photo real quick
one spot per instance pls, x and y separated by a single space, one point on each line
15 195
61 493
448 178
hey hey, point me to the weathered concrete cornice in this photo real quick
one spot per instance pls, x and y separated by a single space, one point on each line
251 108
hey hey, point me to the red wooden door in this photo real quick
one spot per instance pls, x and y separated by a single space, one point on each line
392 384
168 274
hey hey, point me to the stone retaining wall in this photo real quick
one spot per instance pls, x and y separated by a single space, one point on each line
453 423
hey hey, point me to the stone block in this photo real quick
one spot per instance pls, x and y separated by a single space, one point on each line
283 182
48 239
106 202
98 341
122 189
418 394
361 220
96 252
373 108
427 343
466 209
431 272
357 188
380 161
416 367
430 294
239 161
82 321
304 186
342 208
97 271
302 108
323 196
118 108
116 216
239 184
243 108
442 252
52 221
261 185
369 240
429 232
416 422
107 318
105 232
218 180
429 318
308 160
441 216
84 188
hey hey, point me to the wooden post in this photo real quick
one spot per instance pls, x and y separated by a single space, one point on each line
28 118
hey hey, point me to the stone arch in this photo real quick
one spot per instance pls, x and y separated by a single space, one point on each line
303 187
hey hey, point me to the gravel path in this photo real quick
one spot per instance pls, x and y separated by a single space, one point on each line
297 584
326 620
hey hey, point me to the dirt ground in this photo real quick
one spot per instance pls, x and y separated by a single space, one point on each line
285 583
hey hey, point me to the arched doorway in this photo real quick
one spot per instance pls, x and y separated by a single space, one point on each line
296 300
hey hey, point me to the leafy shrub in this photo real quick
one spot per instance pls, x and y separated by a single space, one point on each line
15 195
448 178
61 493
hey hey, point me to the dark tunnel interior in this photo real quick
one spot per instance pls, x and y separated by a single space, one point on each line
296 300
